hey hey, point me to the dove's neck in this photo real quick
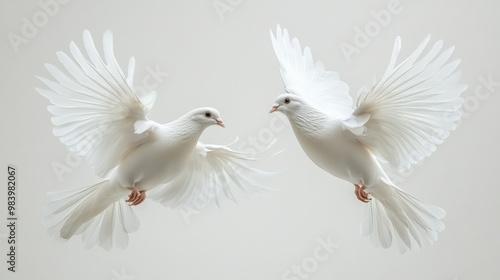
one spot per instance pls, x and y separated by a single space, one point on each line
185 130
308 121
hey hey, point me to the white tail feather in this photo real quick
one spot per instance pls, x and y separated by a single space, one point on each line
393 216
98 212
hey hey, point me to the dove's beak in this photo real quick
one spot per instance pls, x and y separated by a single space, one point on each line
274 108
220 122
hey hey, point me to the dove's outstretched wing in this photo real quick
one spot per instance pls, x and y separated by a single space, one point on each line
97 113
214 172
412 108
308 79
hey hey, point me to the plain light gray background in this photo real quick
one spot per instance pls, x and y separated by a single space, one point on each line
224 58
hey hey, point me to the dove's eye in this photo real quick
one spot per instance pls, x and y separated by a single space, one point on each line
208 115
287 100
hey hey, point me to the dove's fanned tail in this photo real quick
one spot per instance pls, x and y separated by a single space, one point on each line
393 216
98 212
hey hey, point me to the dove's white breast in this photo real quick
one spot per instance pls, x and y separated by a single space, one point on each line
155 162
335 152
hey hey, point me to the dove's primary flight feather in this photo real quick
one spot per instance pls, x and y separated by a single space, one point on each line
99 115
400 120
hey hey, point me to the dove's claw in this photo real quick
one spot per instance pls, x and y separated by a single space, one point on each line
360 193
132 196
136 197
140 199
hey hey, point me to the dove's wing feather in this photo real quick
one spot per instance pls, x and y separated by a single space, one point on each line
412 108
215 172
97 113
308 79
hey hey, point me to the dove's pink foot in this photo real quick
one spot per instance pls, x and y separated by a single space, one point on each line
360 193
136 197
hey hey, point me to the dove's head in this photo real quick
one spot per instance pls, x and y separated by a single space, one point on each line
207 116
287 104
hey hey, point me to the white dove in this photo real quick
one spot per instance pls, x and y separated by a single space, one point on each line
99 115
398 121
